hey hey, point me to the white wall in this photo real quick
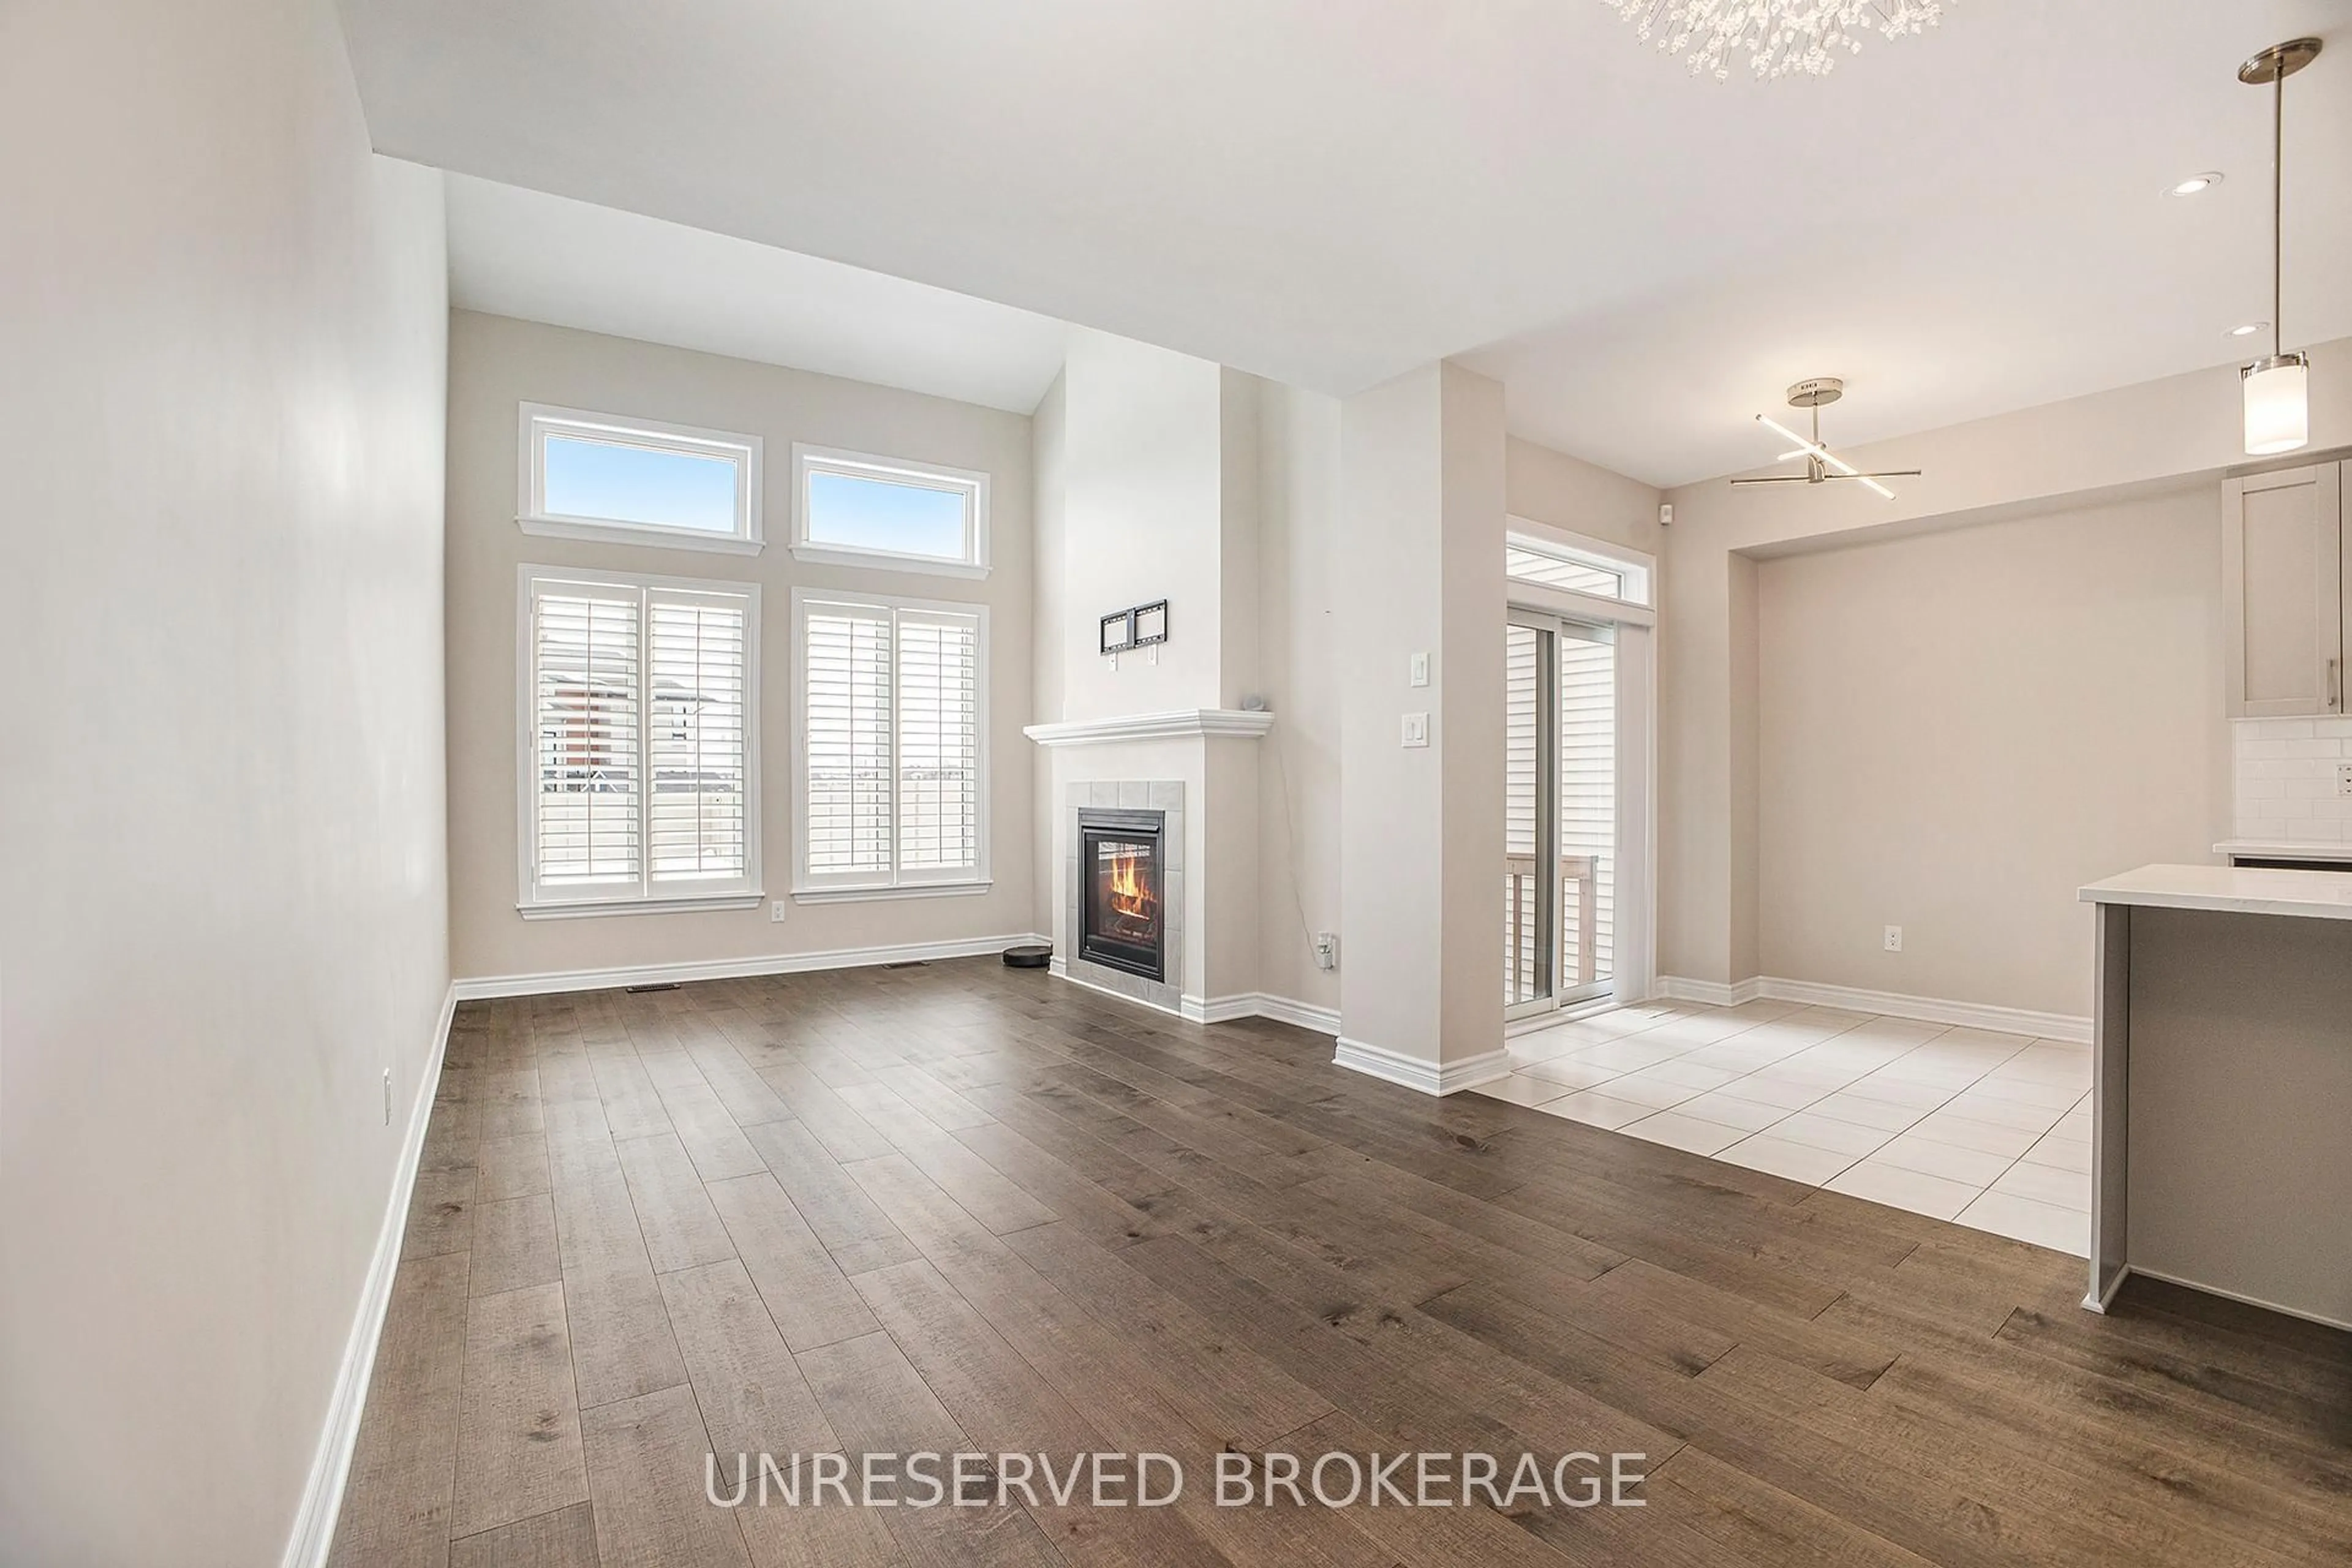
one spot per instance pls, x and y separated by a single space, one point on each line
2087 452
1144 493
495 364
1958 730
222 905
1052 628
1299 670
1420 832
1303 529
1548 487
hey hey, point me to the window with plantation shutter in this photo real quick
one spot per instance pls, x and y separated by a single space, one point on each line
892 748
845 741
639 771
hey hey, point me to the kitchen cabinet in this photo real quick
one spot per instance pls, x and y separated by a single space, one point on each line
2284 591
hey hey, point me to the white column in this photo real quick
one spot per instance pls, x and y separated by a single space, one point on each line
1420 833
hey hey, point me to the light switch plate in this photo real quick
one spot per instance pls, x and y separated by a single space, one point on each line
1894 939
1418 674
1416 729
2344 778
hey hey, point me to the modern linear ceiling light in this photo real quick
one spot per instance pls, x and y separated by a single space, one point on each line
2277 386
1780 38
1821 465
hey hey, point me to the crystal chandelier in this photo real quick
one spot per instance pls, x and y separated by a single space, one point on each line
1780 37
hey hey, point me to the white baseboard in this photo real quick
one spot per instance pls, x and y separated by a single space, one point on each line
2069 1027
2100 1300
1707 993
485 987
322 1494
1300 1015
1416 1072
1219 1009
1260 1004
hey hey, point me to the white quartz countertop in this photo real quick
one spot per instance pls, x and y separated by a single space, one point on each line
2278 849
2229 890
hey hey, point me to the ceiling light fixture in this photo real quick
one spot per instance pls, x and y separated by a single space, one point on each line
2277 386
2249 329
1780 37
2197 184
1821 465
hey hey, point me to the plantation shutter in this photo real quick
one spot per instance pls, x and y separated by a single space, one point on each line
1587 793
695 734
585 697
846 709
939 742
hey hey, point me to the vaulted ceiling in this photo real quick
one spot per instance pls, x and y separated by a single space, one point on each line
1959 223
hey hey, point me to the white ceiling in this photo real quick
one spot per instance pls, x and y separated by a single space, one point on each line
515 252
1960 222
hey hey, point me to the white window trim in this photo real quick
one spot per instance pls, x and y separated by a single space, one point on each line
845 887
968 482
529 901
536 419
1638 568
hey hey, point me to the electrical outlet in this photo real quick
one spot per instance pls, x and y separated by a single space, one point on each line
1327 950
776 910
1894 939
1417 671
387 1096
2344 778
1416 729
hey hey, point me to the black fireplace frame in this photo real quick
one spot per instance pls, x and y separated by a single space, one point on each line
1128 958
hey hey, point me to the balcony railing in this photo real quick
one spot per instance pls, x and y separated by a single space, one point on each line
1579 953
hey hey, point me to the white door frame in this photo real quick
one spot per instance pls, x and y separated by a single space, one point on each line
1634 975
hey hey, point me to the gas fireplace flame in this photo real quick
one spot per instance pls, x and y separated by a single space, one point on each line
1128 894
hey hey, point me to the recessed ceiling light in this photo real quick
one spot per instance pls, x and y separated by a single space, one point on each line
2249 329
2195 184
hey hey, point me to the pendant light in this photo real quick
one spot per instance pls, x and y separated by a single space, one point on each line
2277 386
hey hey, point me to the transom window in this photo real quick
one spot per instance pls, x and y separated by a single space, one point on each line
856 510
891 725
594 476
639 708
1579 569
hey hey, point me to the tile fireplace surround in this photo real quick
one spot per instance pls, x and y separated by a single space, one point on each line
1167 797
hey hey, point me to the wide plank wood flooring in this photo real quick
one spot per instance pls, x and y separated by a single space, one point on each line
953 1206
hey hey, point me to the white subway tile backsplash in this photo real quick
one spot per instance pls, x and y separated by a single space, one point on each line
2285 778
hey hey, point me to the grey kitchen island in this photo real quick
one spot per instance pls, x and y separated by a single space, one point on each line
2221 1119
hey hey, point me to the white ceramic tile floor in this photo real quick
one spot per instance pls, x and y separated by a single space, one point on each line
1987 1128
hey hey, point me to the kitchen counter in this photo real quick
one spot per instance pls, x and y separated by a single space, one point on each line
2221 1085
2229 889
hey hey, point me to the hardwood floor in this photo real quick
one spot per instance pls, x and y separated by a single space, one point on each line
957 1207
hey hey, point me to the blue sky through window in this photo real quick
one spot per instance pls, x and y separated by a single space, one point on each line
879 514
639 484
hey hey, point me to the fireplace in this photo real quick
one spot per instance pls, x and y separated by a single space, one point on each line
1122 883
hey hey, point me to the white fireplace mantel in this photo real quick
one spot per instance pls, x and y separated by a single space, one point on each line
1237 724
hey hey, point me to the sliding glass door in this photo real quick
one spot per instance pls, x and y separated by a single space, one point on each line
1561 818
